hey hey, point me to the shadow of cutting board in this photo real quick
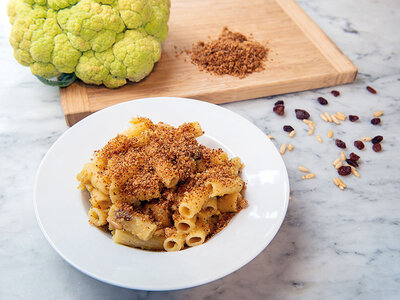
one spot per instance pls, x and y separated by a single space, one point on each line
301 57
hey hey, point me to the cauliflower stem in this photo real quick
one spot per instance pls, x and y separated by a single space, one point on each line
99 41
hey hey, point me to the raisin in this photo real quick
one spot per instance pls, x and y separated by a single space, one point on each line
353 118
280 102
377 147
344 170
371 90
377 139
288 128
279 109
354 157
335 93
322 101
352 162
340 143
301 114
375 121
359 144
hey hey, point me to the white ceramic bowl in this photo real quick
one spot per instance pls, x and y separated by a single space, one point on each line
61 208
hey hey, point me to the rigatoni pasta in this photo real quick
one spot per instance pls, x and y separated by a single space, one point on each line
183 224
175 241
128 239
155 187
229 202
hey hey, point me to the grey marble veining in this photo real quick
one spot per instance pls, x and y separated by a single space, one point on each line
332 245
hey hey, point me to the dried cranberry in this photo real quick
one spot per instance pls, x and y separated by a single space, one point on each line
340 143
279 102
353 118
322 101
359 144
354 157
288 128
335 93
279 109
377 139
371 90
344 170
301 114
352 162
377 147
375 121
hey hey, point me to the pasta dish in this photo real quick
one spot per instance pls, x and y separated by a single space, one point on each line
155 187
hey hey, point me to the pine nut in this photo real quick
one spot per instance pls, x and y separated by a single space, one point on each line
366 138
290 147
336 121
308 176
339 117
292 133
330 134
328 117
319 139
323 117
342 115
336 161
271 137
378 113
303 169
342 156
354 171
341 182
338 165
282 149
335 181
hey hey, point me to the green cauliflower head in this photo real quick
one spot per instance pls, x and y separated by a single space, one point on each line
101 41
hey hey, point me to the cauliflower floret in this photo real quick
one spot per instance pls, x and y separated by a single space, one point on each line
158 24
132 57
91 25
58 4
101 41
134 13
90 69
138 52
65 57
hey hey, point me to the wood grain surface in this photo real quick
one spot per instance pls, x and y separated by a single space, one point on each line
301 57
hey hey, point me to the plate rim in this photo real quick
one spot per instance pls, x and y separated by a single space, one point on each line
177 286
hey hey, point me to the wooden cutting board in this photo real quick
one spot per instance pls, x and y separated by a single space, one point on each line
301 57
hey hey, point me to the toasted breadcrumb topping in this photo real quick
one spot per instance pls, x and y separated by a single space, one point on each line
231 54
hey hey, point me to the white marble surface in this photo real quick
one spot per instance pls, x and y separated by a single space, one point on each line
332 245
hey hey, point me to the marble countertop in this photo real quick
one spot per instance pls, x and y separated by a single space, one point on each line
333 244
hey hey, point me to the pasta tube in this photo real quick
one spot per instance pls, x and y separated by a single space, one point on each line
193 201
229 203
185 225
98 216
175 242
226 186
198 235
128 239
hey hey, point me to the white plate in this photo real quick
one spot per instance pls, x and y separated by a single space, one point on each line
61 208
